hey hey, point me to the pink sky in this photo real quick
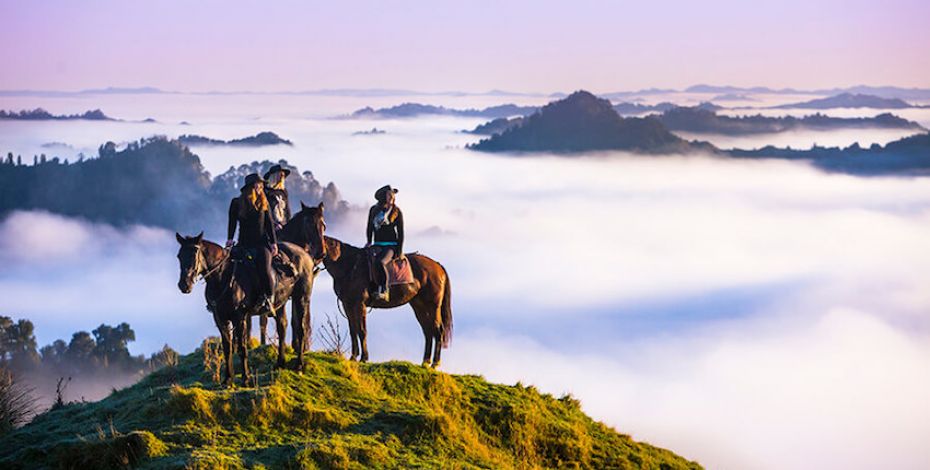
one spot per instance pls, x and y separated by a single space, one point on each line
539 46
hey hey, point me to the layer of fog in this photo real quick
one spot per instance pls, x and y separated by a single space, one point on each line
745 314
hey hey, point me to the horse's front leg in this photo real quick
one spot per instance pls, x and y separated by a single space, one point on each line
281 328
242 342
363 333
300 308
353 316
263 325
227 351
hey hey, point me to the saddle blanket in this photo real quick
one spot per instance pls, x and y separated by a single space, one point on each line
399 272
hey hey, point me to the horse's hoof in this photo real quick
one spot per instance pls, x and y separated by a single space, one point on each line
353 359
228 382
424 364
280 365
436 365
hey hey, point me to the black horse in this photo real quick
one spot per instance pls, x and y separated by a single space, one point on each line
231 292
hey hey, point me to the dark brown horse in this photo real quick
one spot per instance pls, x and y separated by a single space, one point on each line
230 294
430 294
291 233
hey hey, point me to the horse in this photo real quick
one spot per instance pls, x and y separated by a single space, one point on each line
291 233
430 294
228 290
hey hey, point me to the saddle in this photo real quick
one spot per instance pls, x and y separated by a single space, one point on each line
281 262
398 270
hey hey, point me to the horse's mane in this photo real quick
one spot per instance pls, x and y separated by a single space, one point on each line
343 245
213 250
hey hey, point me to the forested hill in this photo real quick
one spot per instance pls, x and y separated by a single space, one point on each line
156 181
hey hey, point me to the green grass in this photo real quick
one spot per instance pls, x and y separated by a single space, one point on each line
336 414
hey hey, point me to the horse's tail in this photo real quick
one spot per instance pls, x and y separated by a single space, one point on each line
446 310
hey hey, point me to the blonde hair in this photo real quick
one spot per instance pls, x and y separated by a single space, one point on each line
278 181
257 202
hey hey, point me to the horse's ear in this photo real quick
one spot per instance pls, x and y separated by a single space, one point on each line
179 237
302 205
199 237
320 207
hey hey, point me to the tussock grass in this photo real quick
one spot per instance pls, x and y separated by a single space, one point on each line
334 415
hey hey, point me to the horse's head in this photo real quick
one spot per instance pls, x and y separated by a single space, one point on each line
192 260
312 227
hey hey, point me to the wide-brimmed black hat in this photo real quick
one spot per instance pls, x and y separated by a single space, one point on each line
276 168
251 180
383 190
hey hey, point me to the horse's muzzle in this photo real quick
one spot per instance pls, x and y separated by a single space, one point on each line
185 287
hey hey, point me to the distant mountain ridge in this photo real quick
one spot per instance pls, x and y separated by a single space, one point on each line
39 114
708 122
407 110
849 100
907 156
257 140
882 91
583 122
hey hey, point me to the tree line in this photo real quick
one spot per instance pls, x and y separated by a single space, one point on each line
102 351
155 181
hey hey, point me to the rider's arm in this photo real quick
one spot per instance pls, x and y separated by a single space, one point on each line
233 218
370 225
400 232
269 229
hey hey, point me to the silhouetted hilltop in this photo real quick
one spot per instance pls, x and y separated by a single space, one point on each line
257 140
703 121
583 122
407 110
373 131
336 414
849 100
153 181
40 114
907 156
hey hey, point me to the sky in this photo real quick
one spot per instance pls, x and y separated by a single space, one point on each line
531 46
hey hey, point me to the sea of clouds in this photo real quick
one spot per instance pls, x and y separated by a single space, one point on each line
746 314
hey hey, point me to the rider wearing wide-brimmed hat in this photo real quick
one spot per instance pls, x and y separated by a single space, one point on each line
278 203
256 232
385 235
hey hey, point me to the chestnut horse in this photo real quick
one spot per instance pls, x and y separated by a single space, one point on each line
430 294
229 290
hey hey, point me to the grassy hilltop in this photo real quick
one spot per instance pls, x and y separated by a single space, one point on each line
337 414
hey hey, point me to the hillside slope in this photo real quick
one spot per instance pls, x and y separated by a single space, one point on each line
336 414
583 122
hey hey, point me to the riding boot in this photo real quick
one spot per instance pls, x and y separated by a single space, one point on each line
384 294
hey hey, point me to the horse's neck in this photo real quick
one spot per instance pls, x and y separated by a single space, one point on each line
215 256
341 268
289 233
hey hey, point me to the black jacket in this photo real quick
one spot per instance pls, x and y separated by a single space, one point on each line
255 231
393 231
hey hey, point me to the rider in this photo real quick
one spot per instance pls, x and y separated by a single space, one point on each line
277 196
386 226
256 234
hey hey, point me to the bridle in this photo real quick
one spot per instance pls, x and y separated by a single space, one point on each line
200 261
